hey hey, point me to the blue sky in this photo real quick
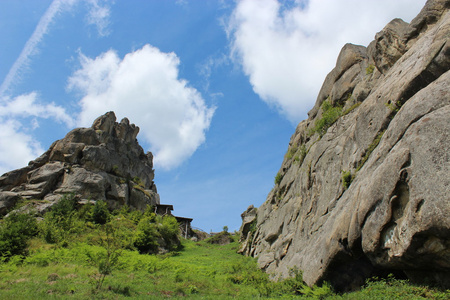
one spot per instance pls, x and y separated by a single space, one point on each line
216 87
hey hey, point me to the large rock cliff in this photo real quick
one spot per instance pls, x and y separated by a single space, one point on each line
364 188
103 162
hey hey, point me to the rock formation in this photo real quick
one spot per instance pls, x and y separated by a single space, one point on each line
364 188
104 162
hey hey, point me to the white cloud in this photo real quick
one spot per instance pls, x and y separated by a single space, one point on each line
18 117
98 15
27 106
287 51
144 86
16 147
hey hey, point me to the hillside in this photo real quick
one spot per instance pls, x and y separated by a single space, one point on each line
364 186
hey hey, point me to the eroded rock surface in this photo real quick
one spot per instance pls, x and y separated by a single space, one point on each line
369 194
103 162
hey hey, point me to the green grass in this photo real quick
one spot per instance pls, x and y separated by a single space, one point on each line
200 271
390 289
96 261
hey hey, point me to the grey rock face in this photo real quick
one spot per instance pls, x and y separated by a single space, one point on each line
370 196
104 162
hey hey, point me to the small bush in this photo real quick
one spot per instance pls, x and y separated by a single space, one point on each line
169 230
146 236
65 206
15 232
61 222
278 178
330 114
301 156
222 238
370 68
292 150
348 110
100 212
347 179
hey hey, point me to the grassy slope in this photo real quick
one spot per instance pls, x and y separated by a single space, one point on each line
200 271
69 254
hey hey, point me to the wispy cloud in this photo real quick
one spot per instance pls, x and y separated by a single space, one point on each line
27 105
31 45
98 15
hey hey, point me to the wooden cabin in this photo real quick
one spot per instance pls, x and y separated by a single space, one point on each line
184 223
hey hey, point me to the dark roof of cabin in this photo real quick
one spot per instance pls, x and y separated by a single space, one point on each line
164 206
183 218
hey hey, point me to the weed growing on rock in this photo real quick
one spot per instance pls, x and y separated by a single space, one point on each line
370 68
370 149
330 114
278 178
346 179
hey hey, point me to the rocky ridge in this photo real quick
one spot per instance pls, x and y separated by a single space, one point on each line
364 186
103 162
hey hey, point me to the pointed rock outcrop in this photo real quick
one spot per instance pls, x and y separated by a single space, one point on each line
103 162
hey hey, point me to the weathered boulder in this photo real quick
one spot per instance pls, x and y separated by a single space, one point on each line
369 194
7 200
104 162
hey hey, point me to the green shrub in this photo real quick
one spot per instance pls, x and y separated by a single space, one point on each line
138 181
291 151
346 178
301 156
221 238
65 206
56 229
61 222
100 212
168 230
106 261
278 178
330 114
370 68
146 236
15 232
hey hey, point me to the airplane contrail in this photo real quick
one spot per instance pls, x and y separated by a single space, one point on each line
31 46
